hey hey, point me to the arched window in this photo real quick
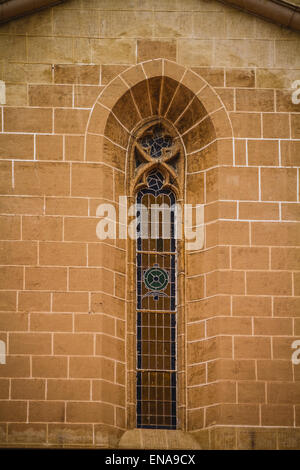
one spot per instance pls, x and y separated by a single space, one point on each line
156 155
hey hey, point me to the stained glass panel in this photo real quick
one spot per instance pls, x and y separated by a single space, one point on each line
156 306
155 141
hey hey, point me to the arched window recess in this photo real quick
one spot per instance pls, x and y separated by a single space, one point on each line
157 160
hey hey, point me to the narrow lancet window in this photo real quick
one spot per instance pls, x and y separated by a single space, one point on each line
156 280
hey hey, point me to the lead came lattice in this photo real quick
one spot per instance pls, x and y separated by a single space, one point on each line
156 314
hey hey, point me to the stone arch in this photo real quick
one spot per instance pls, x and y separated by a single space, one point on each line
176 86
163 88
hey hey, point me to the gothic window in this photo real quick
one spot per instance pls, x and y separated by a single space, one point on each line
156 153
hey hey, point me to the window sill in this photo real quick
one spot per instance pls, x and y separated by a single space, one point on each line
158 439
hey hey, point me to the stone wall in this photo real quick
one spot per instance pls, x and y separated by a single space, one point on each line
65 297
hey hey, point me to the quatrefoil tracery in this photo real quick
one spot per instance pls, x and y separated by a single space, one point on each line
155 148
157 144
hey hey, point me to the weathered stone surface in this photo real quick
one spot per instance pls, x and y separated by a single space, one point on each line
79 79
